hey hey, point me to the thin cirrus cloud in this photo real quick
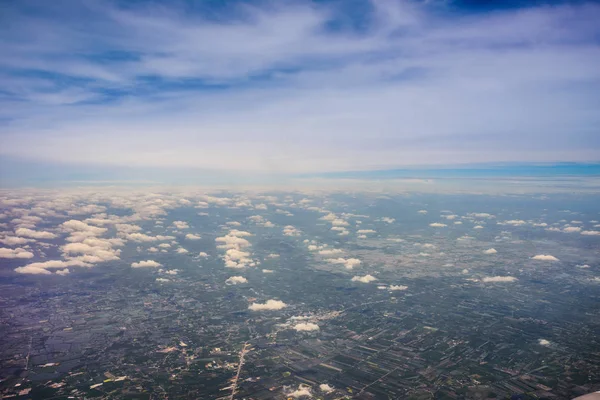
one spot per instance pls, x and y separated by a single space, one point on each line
295 87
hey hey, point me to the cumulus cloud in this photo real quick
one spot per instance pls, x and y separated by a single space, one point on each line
513 222
63 272
388 220
235 258
397 287
306 327
349 263
162 280
289 230
172 272
330 252
364 279
339 222
181 250
422 212
73 226
267 271
590 233
269 305
191 236
544 342
499 279
302 391
146 264
43 267
363 231
92 254
32 270
26 232
14 240
234 280
142 237
544 257
482 215
325 388
572 229
180 224
437 225
127 228
490 251
15 253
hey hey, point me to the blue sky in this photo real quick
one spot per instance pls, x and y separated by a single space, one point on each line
296 86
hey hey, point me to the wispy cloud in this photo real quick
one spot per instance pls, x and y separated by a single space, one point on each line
293 87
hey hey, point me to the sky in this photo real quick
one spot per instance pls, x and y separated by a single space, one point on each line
294 87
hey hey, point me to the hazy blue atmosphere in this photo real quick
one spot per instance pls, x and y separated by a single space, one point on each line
299 199
295 86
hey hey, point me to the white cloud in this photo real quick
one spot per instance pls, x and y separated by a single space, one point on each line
325 388
269 305
349 263
181 225
28 269
127 228
422 212
330 252
181 250
339 222
513 222
490 251
15 253
397 287
363 231
289 230
584 266
544 257
437 225
162 280
329 217
146 264
364 279
234 280
43 267
571 229
172 272
302 391
499 279
141 237
482 215
544 342
80 226
306 327
15 240
267 271
478 227
35 234
590 233
191 236
388 220
63 272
